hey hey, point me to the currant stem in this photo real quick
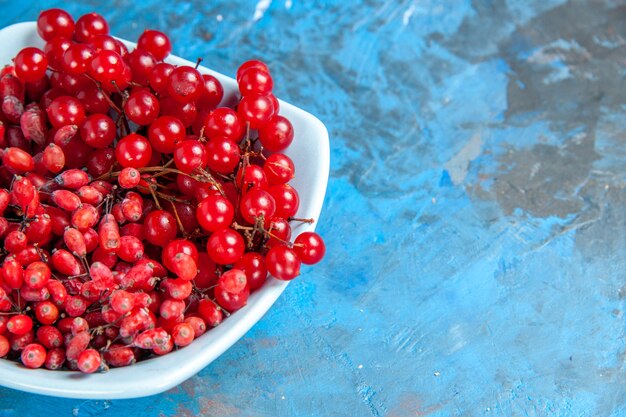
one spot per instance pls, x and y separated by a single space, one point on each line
298 219
180 224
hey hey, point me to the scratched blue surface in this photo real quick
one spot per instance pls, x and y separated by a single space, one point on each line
474 217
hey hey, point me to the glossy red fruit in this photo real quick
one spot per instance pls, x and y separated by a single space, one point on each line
223 155
282 262
89 26
255 80
155 42
225 246
142 107
278 169
33 356
65 110
31 64
212 94
224 122
133 151
165 133
98 131
185 84
253 265
76 58
253 63
277 134
256 110
89 361
159 227
257 203
18 160
159 77
287 200
231 301
310 247
55 23
214 213
190 155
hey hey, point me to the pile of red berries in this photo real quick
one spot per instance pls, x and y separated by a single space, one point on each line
134 212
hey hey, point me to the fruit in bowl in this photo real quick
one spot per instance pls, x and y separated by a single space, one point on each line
144 200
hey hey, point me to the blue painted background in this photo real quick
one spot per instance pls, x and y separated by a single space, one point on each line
474 217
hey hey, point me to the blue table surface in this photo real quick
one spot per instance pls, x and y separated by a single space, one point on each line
474 217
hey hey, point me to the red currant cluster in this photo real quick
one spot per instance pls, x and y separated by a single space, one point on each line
182 210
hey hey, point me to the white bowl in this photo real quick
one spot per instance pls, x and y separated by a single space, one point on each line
310 153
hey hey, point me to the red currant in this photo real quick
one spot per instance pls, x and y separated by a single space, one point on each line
133 151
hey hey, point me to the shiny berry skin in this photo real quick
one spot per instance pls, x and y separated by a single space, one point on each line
129 178
279 231
277 134
278 169
257 110
133 151
49 336
210 312
214 213
231 301
253 63
106 66
185 112
165 132
31 64
178 246
33 356
141 64
100 161
101 42
93 99
232 281
212 94
287 200
37 275
225 246
55 50
257 203
155 42
65 110
131 249
185 84
18 160
223 155
224 122
183 334
255 81
98 131
159 77
159 227
55 23
282 263
76 58
189 155
46 312
142 107
89 361
310 247
89 26
53 158
184 266
19 324
253 265
251 176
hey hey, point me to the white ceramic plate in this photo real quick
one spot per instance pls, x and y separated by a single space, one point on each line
310 153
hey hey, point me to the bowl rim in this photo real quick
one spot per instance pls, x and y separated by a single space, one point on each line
120 383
